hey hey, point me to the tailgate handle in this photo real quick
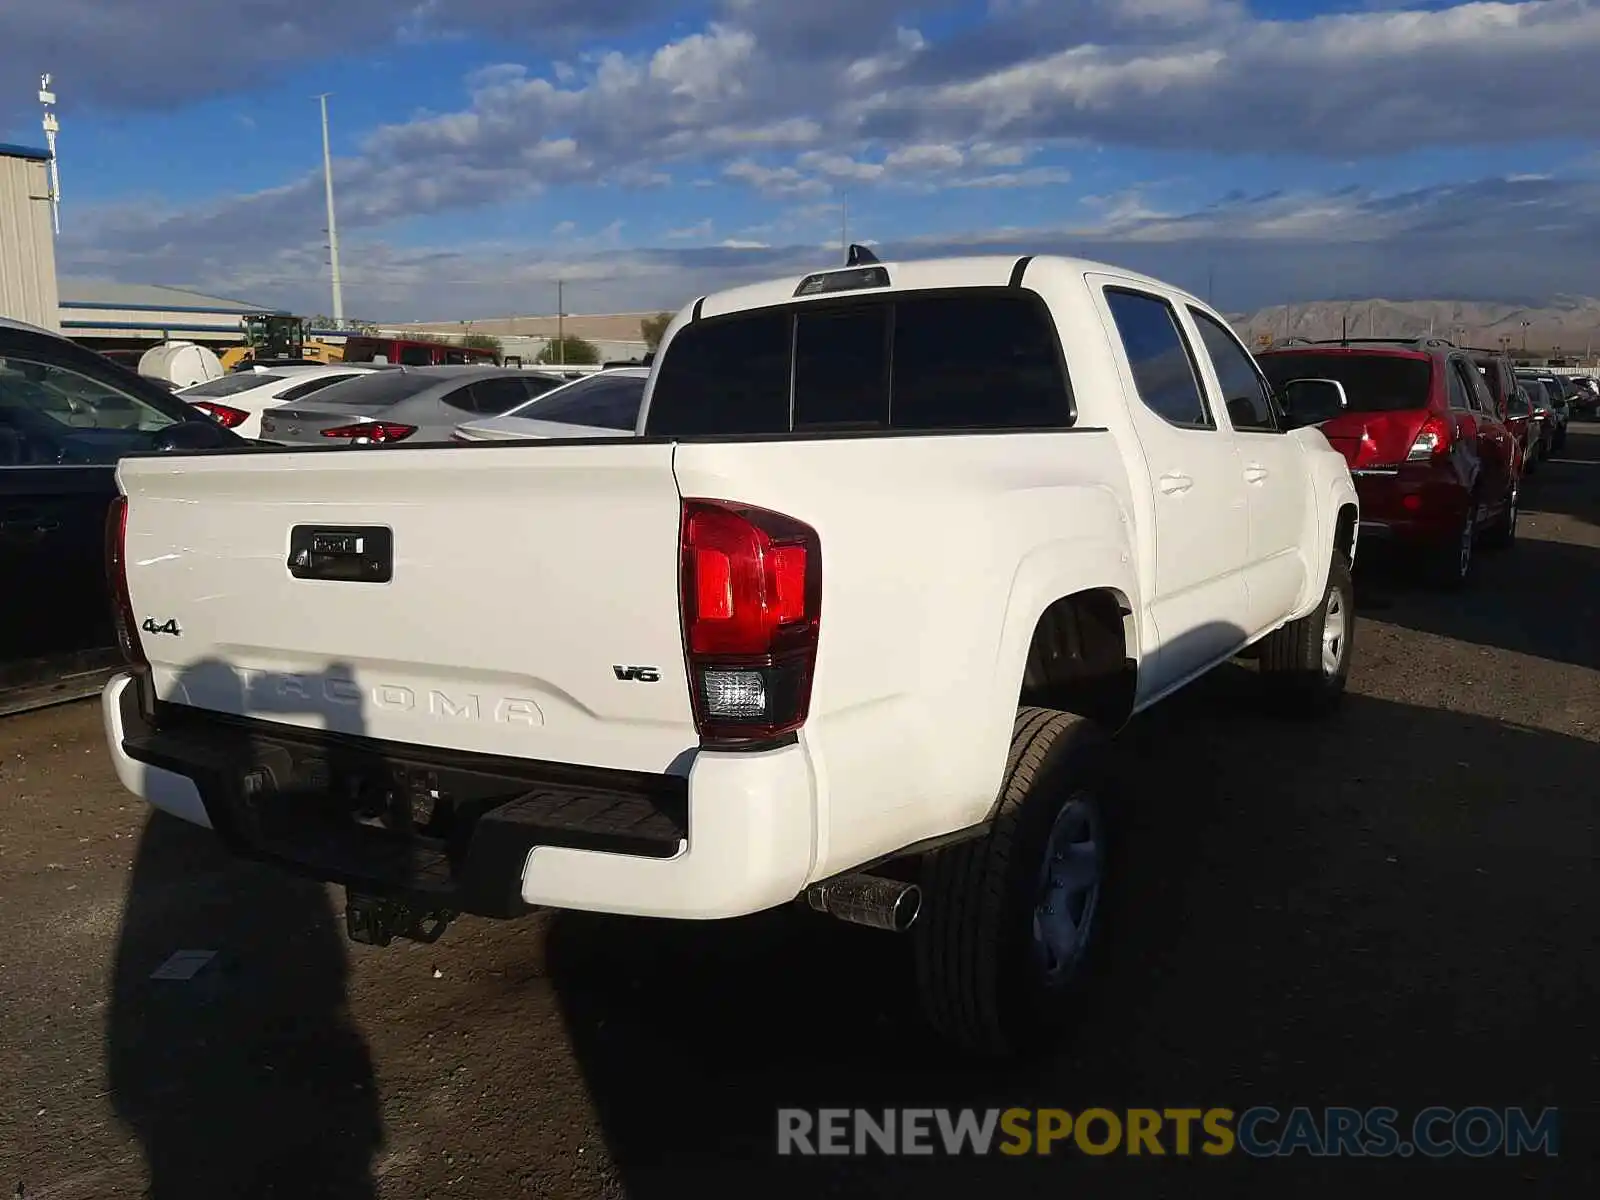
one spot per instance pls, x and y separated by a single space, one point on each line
342 553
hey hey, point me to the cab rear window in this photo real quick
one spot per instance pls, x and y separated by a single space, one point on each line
1372 382
969 359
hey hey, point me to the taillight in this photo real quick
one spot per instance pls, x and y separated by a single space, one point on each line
371 431
1433 441
228 418
751 595
117 579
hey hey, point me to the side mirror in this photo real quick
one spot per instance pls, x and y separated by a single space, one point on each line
1313 401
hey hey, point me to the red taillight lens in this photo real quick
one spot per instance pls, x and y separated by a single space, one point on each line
228 418
117 580
372 431
1433 441
752 599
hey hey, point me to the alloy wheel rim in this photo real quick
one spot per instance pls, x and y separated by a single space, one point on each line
1069 889
1333 634
1467 531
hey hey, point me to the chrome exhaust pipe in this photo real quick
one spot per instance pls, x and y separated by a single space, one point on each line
869 900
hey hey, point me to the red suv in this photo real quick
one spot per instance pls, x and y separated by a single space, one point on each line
1434 464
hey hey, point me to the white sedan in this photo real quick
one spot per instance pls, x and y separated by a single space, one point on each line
238 400
605 404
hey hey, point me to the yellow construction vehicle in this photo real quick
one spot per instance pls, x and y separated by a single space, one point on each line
276 337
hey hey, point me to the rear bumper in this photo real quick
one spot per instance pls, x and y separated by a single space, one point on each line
734 836
1399 505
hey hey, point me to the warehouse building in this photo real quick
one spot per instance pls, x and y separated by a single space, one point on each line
27 238
106 314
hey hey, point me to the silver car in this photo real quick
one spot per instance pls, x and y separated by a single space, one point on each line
406 404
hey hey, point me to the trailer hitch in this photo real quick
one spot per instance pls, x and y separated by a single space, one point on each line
378 920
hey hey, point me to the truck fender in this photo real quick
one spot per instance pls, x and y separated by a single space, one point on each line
1048 573
1330 490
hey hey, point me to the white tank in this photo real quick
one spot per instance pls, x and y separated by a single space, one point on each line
182 364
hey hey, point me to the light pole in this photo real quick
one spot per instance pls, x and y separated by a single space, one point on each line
333 228
51 128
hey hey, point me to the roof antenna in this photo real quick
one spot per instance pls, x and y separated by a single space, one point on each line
1344 329
859 256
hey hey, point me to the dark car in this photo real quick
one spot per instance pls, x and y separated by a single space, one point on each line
1558 392
1587 400
67 414
1434 464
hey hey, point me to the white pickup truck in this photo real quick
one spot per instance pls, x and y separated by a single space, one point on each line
894 550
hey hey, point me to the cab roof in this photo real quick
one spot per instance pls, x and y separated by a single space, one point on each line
990 270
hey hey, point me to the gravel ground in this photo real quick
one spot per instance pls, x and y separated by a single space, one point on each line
1397 907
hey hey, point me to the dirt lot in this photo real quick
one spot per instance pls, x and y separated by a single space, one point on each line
1395 908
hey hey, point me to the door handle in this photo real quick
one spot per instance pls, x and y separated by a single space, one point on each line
1175 483
1254 473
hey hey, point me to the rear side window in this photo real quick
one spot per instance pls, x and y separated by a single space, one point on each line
1372 382
725 376
1460 391
494 396
230 385
1163 366
604 401
312 385
977 361
974 359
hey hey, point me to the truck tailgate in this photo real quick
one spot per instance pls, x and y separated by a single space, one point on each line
518 600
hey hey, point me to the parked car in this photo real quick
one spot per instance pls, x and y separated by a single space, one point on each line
720 668
1435 466
601 405
404 404
1556 405
1526 426
1587 401
1544 416
239 399
66 415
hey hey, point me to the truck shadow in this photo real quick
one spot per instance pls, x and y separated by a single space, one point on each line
1388 908
250 1078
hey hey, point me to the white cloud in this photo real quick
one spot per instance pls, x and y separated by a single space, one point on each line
800 103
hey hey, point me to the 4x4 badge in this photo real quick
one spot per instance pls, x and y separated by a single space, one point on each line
168 626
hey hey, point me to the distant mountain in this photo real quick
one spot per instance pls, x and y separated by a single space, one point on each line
1571 323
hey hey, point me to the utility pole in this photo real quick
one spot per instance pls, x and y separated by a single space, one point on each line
51 128
333 228
1525 325
561 325
844 225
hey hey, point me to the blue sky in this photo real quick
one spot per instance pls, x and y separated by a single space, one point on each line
647 151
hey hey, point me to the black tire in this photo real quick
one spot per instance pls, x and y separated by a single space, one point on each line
1502 535
1451 563
1293 663
979 973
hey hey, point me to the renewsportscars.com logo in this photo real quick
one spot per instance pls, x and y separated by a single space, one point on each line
1259 1132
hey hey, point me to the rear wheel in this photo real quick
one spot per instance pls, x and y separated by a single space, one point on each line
1452 561
1307 662
1009 919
